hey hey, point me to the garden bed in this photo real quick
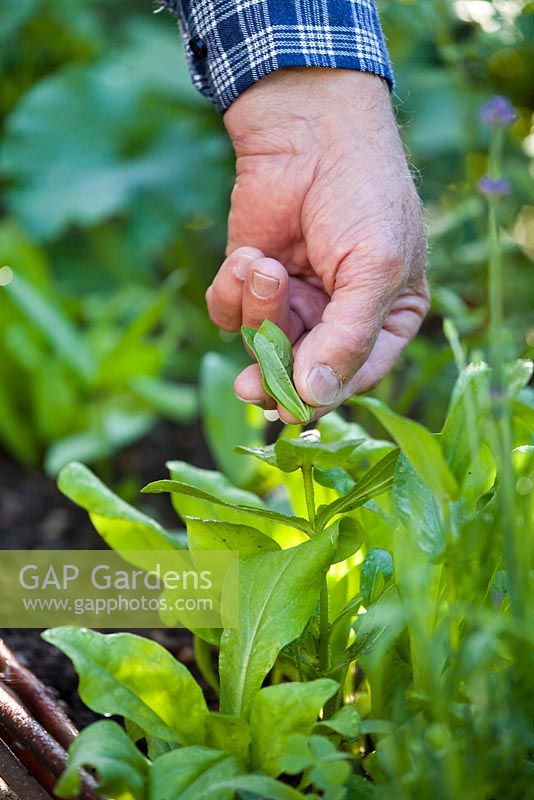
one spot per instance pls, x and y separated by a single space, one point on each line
34 514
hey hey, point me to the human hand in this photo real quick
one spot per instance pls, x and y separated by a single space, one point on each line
325 232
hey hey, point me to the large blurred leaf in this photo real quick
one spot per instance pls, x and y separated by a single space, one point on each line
13 15
81 146
15 434
40 311
227 421
114 428
173 401
23 255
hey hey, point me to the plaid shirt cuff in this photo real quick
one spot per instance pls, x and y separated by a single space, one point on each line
231 44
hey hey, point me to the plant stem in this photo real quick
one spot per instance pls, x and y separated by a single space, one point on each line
203 657
450 582
500 408
495 291
324 629
309 493
324 626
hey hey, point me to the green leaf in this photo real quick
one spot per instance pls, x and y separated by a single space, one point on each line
419 510
173 401
236 511
228 733
522 408
380 726
420 447
376 481
15 434
239 505
376 571
470 402
278 593
350 537
194 773
205 534
266 788
273 351
114 428
214 483
331 775
54 325
101 174
333 428
335 478
263 453
289 455
105 747
297 756
248 335
122 526
378 628
227 421
517 375
346 722
281 711
137 679
279 341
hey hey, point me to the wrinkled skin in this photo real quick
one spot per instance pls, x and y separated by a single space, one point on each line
325 232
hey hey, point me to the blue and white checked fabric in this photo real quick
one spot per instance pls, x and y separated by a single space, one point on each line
231 44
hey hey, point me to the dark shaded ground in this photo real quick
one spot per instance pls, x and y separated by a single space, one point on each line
35 515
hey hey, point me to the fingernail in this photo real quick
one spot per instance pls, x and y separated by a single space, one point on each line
242 265
263 285
271 416
323 385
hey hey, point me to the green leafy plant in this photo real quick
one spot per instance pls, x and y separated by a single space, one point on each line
93 338
72 390
370 611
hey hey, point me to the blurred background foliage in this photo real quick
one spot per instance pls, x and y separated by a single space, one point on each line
115 180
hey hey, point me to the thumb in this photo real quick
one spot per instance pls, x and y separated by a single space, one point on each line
338 346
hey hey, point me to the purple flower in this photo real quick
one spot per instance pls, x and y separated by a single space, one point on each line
498 112
494 187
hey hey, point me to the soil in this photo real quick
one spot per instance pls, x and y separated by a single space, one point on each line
35 515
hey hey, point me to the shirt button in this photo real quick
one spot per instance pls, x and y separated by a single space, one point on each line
198 47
